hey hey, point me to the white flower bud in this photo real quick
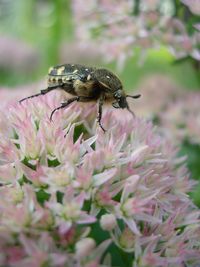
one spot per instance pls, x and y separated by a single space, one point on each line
108 222
84 247
127 239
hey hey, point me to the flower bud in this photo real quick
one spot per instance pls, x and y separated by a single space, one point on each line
84 247
108 222
127 239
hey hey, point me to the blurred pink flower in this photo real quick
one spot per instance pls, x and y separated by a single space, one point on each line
197 26
59 179
184 45
118 30
177 111
157 91
194 5
149 4
11 94
182 119
17 55
79 52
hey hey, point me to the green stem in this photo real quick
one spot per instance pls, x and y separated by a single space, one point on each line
136 10
55 36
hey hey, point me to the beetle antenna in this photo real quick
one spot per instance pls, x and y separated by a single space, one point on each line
134 96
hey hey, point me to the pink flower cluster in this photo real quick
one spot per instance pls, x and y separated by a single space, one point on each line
16 55
61 179
194 6
175 109
118 30
182 118
158 91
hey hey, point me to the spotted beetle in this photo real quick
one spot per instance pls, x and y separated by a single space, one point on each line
86 84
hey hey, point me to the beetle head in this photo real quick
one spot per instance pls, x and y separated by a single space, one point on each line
120 99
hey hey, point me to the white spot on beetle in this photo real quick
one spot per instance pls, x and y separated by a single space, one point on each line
108 77
50 69
60 70
88 77
67 78
75 71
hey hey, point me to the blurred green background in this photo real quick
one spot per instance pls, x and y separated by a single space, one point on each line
37 34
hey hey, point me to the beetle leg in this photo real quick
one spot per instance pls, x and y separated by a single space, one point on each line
82 99
69 101
64 105
42 92
101 100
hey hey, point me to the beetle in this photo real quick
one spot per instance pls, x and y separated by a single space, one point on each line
86 84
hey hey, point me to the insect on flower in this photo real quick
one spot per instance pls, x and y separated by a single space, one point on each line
86 84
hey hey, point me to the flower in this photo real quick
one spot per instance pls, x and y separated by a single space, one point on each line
84 247
144 24
185 122
60 181
156 98
16 55
177 111
108 222
193 5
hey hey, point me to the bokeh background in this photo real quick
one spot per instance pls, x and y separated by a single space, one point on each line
152 45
